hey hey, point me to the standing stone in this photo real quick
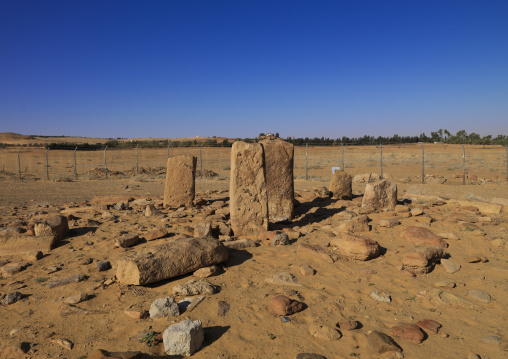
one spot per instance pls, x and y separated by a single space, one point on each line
180 181
380 195
341 185
184 338
279 156
56 226
248 195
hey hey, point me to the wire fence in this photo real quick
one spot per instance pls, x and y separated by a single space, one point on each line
415 163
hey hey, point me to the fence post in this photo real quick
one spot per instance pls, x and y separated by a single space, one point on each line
507 164
169 144
423 166
105 163
137 158
381 154
75 165
47 164
19 165
306 174
342 157
201 161
463 165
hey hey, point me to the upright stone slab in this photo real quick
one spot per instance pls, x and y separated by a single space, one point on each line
341 185
180 181
248 195
380 195
279 157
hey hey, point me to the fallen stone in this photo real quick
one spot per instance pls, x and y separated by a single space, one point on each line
307 270
64 343
206 272
479 295
11 298
22 243
422 237
381 343
127 240
85 261
203 229
194 287
356 248
380 195
169 260
279 156
11 269
380 297
151 210
72 279
33 256
103 266
416 212
240 244
450 266
429 325
410 332
443 297
136 314
155 234
76 298
355 224
341 185
180 184
282 305
284 278
56 226
348 324
280 239
422 260
164 307
184 338
491 339
324 332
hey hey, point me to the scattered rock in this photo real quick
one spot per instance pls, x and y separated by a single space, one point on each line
11 269
324 332
284 278
380 195
103 266
56 226
240 244
380 297
86 261
381 343
317 252
356 224
422 260
76 298
416 212
194 287
409 332
136 314
490 339
203 229
206 272
164 307
307 270
422 237
389 223
280 239
64 343
155 234
282 305
150 210
429 325
72 279
356 247
450 266
348 324
11 298
223 308
184 338
445 284
34 256
341 185
479 295
127 240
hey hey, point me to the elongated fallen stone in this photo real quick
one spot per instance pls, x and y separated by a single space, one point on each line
169 260
72 279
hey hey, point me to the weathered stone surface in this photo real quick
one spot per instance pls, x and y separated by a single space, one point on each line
381 343
284 278
103 266
355 224
12 298
279 177
240 244
354 247
429 325
56 226
11 269
127 240
203 229
248 193
164 307
450 265
180 181
151 210
479 295
33 255
155 234
388 223
380 195
380 297
184 338
22 243
317 252
422 236
282 305
341 185
72 279
324 332
422 260
194 287
410 332
206 272
280 239
170 260
307 270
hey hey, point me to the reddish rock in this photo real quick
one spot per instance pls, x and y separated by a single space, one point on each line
356 247
282 305
429 325
355 224
422 260
348 324
410 332
422 236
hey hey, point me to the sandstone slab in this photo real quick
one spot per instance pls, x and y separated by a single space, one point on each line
180 184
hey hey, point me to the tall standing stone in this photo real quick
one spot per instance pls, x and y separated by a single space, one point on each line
279 178
248 195
180 181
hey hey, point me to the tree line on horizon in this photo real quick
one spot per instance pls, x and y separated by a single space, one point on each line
440 136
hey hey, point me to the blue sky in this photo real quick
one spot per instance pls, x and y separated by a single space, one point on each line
237 68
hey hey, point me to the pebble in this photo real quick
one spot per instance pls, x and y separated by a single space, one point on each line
67 344
136 314
410 332
450 266
445 284
103 266
282 305
206 272
380 297
416 212
76 298
307 270
479 295
324 332
34 256
348 324
429 325
51 269
85 261
490 339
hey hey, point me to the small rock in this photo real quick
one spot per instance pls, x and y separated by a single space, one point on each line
76 298
34 256
355 247
11 269
475 259
445 284
150 210
410 332
282 305
381 343
136 314
51 269
155 234
324 332
103 266
127 240
223 308
12 298
184 338
194 287
120 206
164 307
380 297
67 344
479 295
490 339
307 270
429 325
284 278
206 272
450 266
388 223
85 261
348 324
416 212
498 242
280 239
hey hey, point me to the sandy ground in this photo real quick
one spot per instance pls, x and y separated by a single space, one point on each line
337 291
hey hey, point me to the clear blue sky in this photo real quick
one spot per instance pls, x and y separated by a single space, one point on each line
237 68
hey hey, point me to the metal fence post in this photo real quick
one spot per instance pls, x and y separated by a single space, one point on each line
47 164
463 165
381 154
169 144
75 165
342 157
19 165
423 166
105 163
201 161
306 174
137 158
